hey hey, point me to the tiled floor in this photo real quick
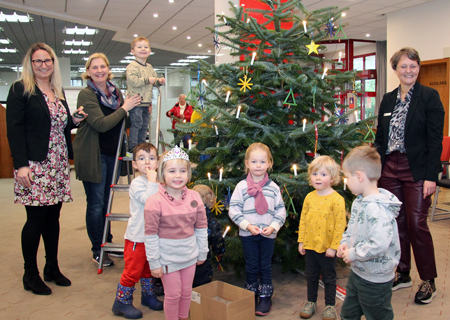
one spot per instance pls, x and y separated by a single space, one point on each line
91 295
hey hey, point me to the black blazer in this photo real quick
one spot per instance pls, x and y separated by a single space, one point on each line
28 126
423 131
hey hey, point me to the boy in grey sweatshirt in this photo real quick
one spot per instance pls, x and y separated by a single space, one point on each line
371 242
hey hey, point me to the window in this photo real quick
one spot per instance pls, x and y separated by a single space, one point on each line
358 64
370 62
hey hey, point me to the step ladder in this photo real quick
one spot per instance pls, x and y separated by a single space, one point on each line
119 247
109 246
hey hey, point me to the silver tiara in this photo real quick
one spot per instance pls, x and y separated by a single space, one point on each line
175 153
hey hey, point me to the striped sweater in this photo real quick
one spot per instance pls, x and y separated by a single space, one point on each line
242 209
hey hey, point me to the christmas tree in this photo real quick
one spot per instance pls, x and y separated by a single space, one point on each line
279 94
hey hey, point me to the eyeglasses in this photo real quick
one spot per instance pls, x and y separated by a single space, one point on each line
37 63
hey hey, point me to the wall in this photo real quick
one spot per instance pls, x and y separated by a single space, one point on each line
422 27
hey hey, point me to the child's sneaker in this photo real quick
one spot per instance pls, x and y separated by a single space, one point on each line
401 281
329 313
308 310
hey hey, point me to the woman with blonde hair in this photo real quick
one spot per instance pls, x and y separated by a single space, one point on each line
38 124
96 143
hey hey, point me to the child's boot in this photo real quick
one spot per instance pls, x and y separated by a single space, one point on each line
308 310
253 287
123 305
158 287
265 300
148 297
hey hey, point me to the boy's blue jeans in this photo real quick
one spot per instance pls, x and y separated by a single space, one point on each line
258 252
373 300
140 118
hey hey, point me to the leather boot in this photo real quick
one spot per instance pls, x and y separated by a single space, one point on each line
32 281
148 297
123 305
52 273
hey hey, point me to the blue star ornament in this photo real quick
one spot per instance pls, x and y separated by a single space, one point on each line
329 28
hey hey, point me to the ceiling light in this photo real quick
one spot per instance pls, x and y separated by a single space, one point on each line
14 17
187 60
81 70
179 64
6 50
367 34
155 15
5 41
343 14
118 70
174 28
129 57
198 57
15 69
77 30
135 35
77 43
188 37
171 1
86 58
71 51
126 61
199 44
209 50
152 53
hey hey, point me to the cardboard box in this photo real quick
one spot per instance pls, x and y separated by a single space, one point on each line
222 301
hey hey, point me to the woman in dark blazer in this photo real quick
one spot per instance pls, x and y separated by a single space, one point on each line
38 127
409 140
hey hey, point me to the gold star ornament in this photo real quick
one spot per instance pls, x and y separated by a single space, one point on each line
245 83
312 47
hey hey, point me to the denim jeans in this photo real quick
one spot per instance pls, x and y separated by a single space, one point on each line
140 118
373 300
258 252
97 196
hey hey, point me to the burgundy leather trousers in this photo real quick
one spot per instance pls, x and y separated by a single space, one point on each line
412 220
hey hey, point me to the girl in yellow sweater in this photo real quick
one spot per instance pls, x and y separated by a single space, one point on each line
322 224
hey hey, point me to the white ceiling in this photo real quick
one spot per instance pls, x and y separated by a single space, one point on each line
121 19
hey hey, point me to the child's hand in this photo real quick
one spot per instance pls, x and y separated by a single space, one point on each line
301 249
199 262
162 80
151 175
341 249
330 253
267 231
346 256
157 273
254 230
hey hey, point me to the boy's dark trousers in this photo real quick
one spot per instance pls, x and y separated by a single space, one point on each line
373 300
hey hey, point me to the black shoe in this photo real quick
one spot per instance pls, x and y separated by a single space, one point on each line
426 292
32 281
401 281
52 273
107 262
115 254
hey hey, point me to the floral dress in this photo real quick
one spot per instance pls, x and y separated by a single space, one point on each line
50 178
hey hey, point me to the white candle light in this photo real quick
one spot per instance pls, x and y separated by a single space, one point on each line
238 112
228 95
217 131
356 116
220 174
224 19
324 73
340 56
304 124
190 144
209 176
304 26
345 183
295 169
253 58
226 231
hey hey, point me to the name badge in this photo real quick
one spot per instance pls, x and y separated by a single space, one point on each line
387 114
